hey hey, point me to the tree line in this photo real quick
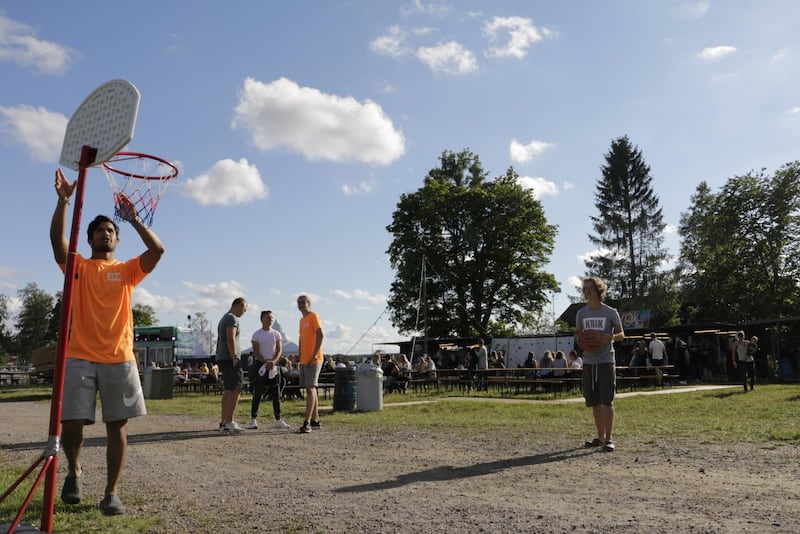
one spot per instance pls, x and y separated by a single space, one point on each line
469 253
36 323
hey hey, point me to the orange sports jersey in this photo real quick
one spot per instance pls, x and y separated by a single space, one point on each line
102 309
308 339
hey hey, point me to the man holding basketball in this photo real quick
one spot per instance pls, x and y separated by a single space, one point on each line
100 353
598 326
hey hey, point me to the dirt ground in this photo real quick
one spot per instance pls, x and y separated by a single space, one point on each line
179 469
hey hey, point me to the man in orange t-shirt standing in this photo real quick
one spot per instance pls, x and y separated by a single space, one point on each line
310 349
100 353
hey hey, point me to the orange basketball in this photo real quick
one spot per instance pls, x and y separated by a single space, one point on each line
590 340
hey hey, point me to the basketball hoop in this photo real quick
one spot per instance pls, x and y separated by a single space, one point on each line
140 178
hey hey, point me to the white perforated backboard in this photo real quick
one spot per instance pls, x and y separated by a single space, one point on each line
105 121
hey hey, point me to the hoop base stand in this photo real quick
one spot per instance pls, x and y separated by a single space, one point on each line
50 454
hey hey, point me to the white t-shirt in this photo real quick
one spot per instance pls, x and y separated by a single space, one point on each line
656 350
266 342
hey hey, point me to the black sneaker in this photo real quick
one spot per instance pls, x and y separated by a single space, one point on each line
315 425
72 492
305 429
593 443
609 446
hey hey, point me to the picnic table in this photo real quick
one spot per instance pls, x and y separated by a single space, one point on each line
14 377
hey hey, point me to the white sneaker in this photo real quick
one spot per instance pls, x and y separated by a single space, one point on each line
252 424
280 423
232 427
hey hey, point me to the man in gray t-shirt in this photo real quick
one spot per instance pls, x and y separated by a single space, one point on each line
599 373
228 359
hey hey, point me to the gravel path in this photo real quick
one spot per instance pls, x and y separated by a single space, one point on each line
375 480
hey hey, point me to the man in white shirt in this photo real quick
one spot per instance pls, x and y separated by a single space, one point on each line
657 351
267 347
658 356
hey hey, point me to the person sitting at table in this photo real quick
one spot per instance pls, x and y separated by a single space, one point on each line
560 364
546 364
575 361
328 366
404 364
213 375
638 355
391 375
530 363
181 376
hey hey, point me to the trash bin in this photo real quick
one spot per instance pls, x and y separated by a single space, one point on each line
157 383
344 389
370 388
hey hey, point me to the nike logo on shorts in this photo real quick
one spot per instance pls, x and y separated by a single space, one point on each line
130 401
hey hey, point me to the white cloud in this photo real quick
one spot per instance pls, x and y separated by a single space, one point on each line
448 58
40 131
522 153
671 229
360 295
433 9
281 114
521 34
227 291
227 183
539 186
692 10
391 44
576 282
715 53
337 331
567 186
779 56
601 252
361 188
795 110
19 45
158 302
177 45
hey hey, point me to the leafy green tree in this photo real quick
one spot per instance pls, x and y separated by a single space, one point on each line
629 226
739 250
477 246
33 320
5 335
144 315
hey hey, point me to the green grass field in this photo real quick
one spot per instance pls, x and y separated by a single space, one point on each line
768 416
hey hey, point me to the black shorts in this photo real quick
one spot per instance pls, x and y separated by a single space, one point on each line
232 376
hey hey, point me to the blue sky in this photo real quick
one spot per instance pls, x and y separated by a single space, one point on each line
297 126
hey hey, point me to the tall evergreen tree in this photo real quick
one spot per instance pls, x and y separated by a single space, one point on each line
629 226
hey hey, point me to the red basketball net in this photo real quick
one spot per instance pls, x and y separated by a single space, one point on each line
140 178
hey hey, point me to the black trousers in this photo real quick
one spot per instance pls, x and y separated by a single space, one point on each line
261 384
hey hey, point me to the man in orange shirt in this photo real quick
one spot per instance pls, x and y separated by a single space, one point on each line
310 349
100 353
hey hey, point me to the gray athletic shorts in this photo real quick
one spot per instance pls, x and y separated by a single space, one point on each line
121 395
309 375
599 383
